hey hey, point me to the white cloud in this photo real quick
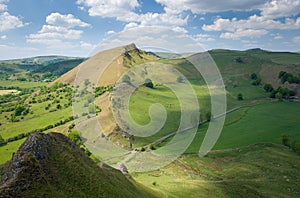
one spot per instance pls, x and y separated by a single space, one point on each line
203 38
86 45
110 32
109 8
257 25
58 29
204 6
253 22
277 36
8 22
125 11
179 29
161 19
280 8
3 37
3 5
243 33
130 25
67 20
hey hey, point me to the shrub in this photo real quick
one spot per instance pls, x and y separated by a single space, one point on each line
148 83
152 147
240 96
268 88
253 76
256 82
296 146
285 140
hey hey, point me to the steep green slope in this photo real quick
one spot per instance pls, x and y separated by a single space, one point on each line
50 165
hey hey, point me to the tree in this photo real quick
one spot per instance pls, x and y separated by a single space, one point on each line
239 60
58 106
285 140
2 141
152 147
148 83
208 116
19 110
278 95
268 88
256 82
281 73
253 76
240 96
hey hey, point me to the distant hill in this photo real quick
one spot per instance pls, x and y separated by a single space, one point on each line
56 65
50 165
237 66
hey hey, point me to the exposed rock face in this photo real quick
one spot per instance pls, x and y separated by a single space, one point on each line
50 165
29 164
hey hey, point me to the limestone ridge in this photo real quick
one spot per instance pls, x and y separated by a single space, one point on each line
116 61
50 165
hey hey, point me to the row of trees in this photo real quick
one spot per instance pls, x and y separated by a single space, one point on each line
279 93
288 77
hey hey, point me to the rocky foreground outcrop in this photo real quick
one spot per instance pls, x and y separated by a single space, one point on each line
50 165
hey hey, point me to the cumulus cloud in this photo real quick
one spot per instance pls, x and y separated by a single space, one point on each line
243 33
203 38
58 28
257 25
109 8
254 22
68 20
8 22
130 25
3 5
125 11
204 6
110 32
280 8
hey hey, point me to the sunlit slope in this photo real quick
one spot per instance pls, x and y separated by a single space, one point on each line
116 62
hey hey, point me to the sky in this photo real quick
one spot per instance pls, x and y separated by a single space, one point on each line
75 27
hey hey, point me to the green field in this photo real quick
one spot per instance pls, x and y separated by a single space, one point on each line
262 123
262 170
7 150
21 84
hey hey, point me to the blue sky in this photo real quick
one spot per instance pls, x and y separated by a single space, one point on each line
75 27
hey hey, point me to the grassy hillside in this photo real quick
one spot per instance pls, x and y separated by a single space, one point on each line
249 125
37 68
51 166
260 170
